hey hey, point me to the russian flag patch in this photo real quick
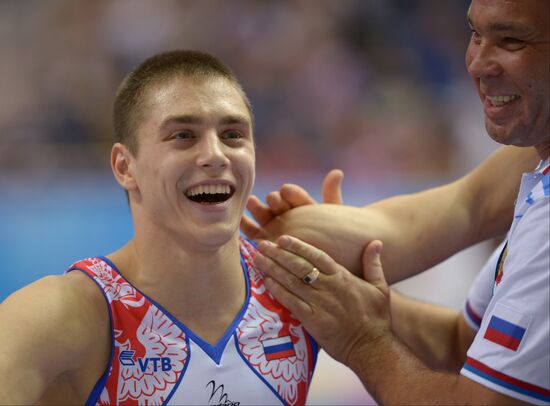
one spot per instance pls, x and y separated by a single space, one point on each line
280 347
506 327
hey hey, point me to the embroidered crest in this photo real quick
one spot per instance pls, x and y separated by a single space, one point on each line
500 265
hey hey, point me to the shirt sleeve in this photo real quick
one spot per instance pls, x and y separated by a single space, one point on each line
511 351
481 291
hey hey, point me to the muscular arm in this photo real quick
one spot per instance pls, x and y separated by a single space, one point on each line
418 230
394 376
437 335
46 331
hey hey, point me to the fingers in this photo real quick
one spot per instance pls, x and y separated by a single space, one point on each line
372 266
251 229
290 196
295 195
332 187
314 255
331 191
261 213
277 204
288 280
298 257
286 267
297 306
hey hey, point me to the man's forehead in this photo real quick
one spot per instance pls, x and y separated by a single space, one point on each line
514 11
187 97
528 18
183 86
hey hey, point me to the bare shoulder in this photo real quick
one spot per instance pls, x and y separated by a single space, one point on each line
61 313
72 301
50 328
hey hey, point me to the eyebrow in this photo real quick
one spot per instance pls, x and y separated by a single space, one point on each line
235 119
506 26
191 119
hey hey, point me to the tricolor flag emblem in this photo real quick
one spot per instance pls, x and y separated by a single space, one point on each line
506 327
280 347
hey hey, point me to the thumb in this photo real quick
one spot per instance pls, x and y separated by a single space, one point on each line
372 266
332 187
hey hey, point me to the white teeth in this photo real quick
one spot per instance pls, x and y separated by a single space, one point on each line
208 189
498 101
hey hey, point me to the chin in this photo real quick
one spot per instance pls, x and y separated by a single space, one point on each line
213 237
505 135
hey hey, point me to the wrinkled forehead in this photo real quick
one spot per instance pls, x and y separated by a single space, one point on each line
502 14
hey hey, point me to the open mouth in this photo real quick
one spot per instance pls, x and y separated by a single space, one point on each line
498 101
210 194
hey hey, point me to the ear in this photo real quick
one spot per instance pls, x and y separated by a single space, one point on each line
122 164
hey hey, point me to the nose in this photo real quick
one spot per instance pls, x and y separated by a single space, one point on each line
211 154
481 61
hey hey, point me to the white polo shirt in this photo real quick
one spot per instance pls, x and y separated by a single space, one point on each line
509 302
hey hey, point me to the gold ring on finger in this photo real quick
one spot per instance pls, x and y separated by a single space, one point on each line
311 276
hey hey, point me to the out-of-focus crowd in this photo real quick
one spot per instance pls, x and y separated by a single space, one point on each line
375 87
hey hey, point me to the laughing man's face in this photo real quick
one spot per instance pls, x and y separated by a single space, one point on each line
509 59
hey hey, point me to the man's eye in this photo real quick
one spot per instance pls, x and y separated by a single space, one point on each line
183 135
513 43
232 135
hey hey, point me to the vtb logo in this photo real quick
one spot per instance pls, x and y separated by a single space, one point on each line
126 358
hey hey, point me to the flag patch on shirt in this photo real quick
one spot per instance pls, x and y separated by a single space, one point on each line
280 347
506 327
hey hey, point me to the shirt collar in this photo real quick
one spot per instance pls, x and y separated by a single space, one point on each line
544 167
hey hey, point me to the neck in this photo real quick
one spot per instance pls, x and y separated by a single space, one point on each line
202 289
543 149
544 152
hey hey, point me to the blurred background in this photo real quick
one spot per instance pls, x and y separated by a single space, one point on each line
377 88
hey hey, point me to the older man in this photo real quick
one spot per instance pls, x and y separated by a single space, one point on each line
500 342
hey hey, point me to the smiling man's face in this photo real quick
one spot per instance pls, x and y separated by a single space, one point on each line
196 163
509 59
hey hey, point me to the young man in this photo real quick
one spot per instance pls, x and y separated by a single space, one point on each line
501 339
179 315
